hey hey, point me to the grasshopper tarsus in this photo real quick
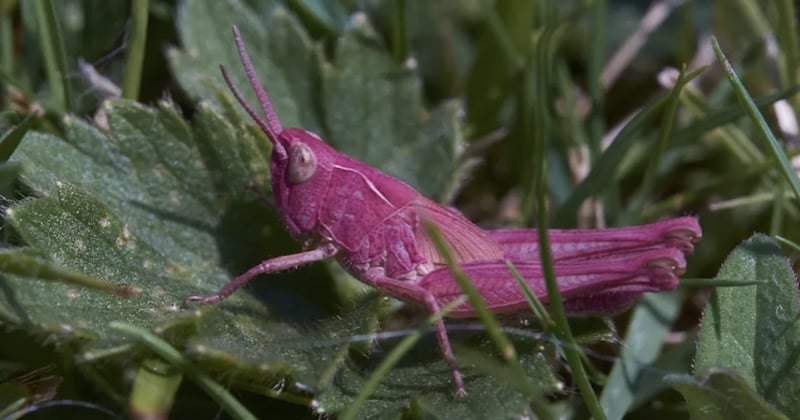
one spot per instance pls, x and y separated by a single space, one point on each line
201 300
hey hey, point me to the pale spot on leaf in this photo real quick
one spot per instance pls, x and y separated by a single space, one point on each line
158 170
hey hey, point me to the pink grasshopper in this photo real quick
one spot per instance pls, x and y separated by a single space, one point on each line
370 222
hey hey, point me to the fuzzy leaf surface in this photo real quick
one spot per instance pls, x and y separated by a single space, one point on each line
160 204
754 330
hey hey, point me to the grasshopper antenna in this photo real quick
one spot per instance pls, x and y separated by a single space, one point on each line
272 125
263 98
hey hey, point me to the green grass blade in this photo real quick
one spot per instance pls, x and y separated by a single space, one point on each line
763 128
9 142
164 350
537 132
154 389
351 412
21 263
725 115
604 169
6 50
536 305
790 46
597 56
400 46
696 283
787 242
664 135
54 51
132 78
482 312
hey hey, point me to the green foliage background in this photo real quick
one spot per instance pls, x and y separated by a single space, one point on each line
150 191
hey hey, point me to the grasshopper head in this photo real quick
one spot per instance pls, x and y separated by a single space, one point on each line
301 162
300 178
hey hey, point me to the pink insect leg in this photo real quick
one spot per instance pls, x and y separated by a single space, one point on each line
407 291
271 265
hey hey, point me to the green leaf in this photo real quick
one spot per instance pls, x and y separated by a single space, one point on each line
753 330
161 205
282 54
723 395
373 112
329 15
363 103
488 383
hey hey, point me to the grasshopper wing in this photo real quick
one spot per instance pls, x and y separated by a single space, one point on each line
584 244
468 242
614 282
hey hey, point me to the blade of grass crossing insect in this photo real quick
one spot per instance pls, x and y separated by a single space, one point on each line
747 102
386 365
562 330
538 404
536 100
133 63
173 357
539 133
536 305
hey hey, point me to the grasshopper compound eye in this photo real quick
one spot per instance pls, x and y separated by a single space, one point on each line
302 163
